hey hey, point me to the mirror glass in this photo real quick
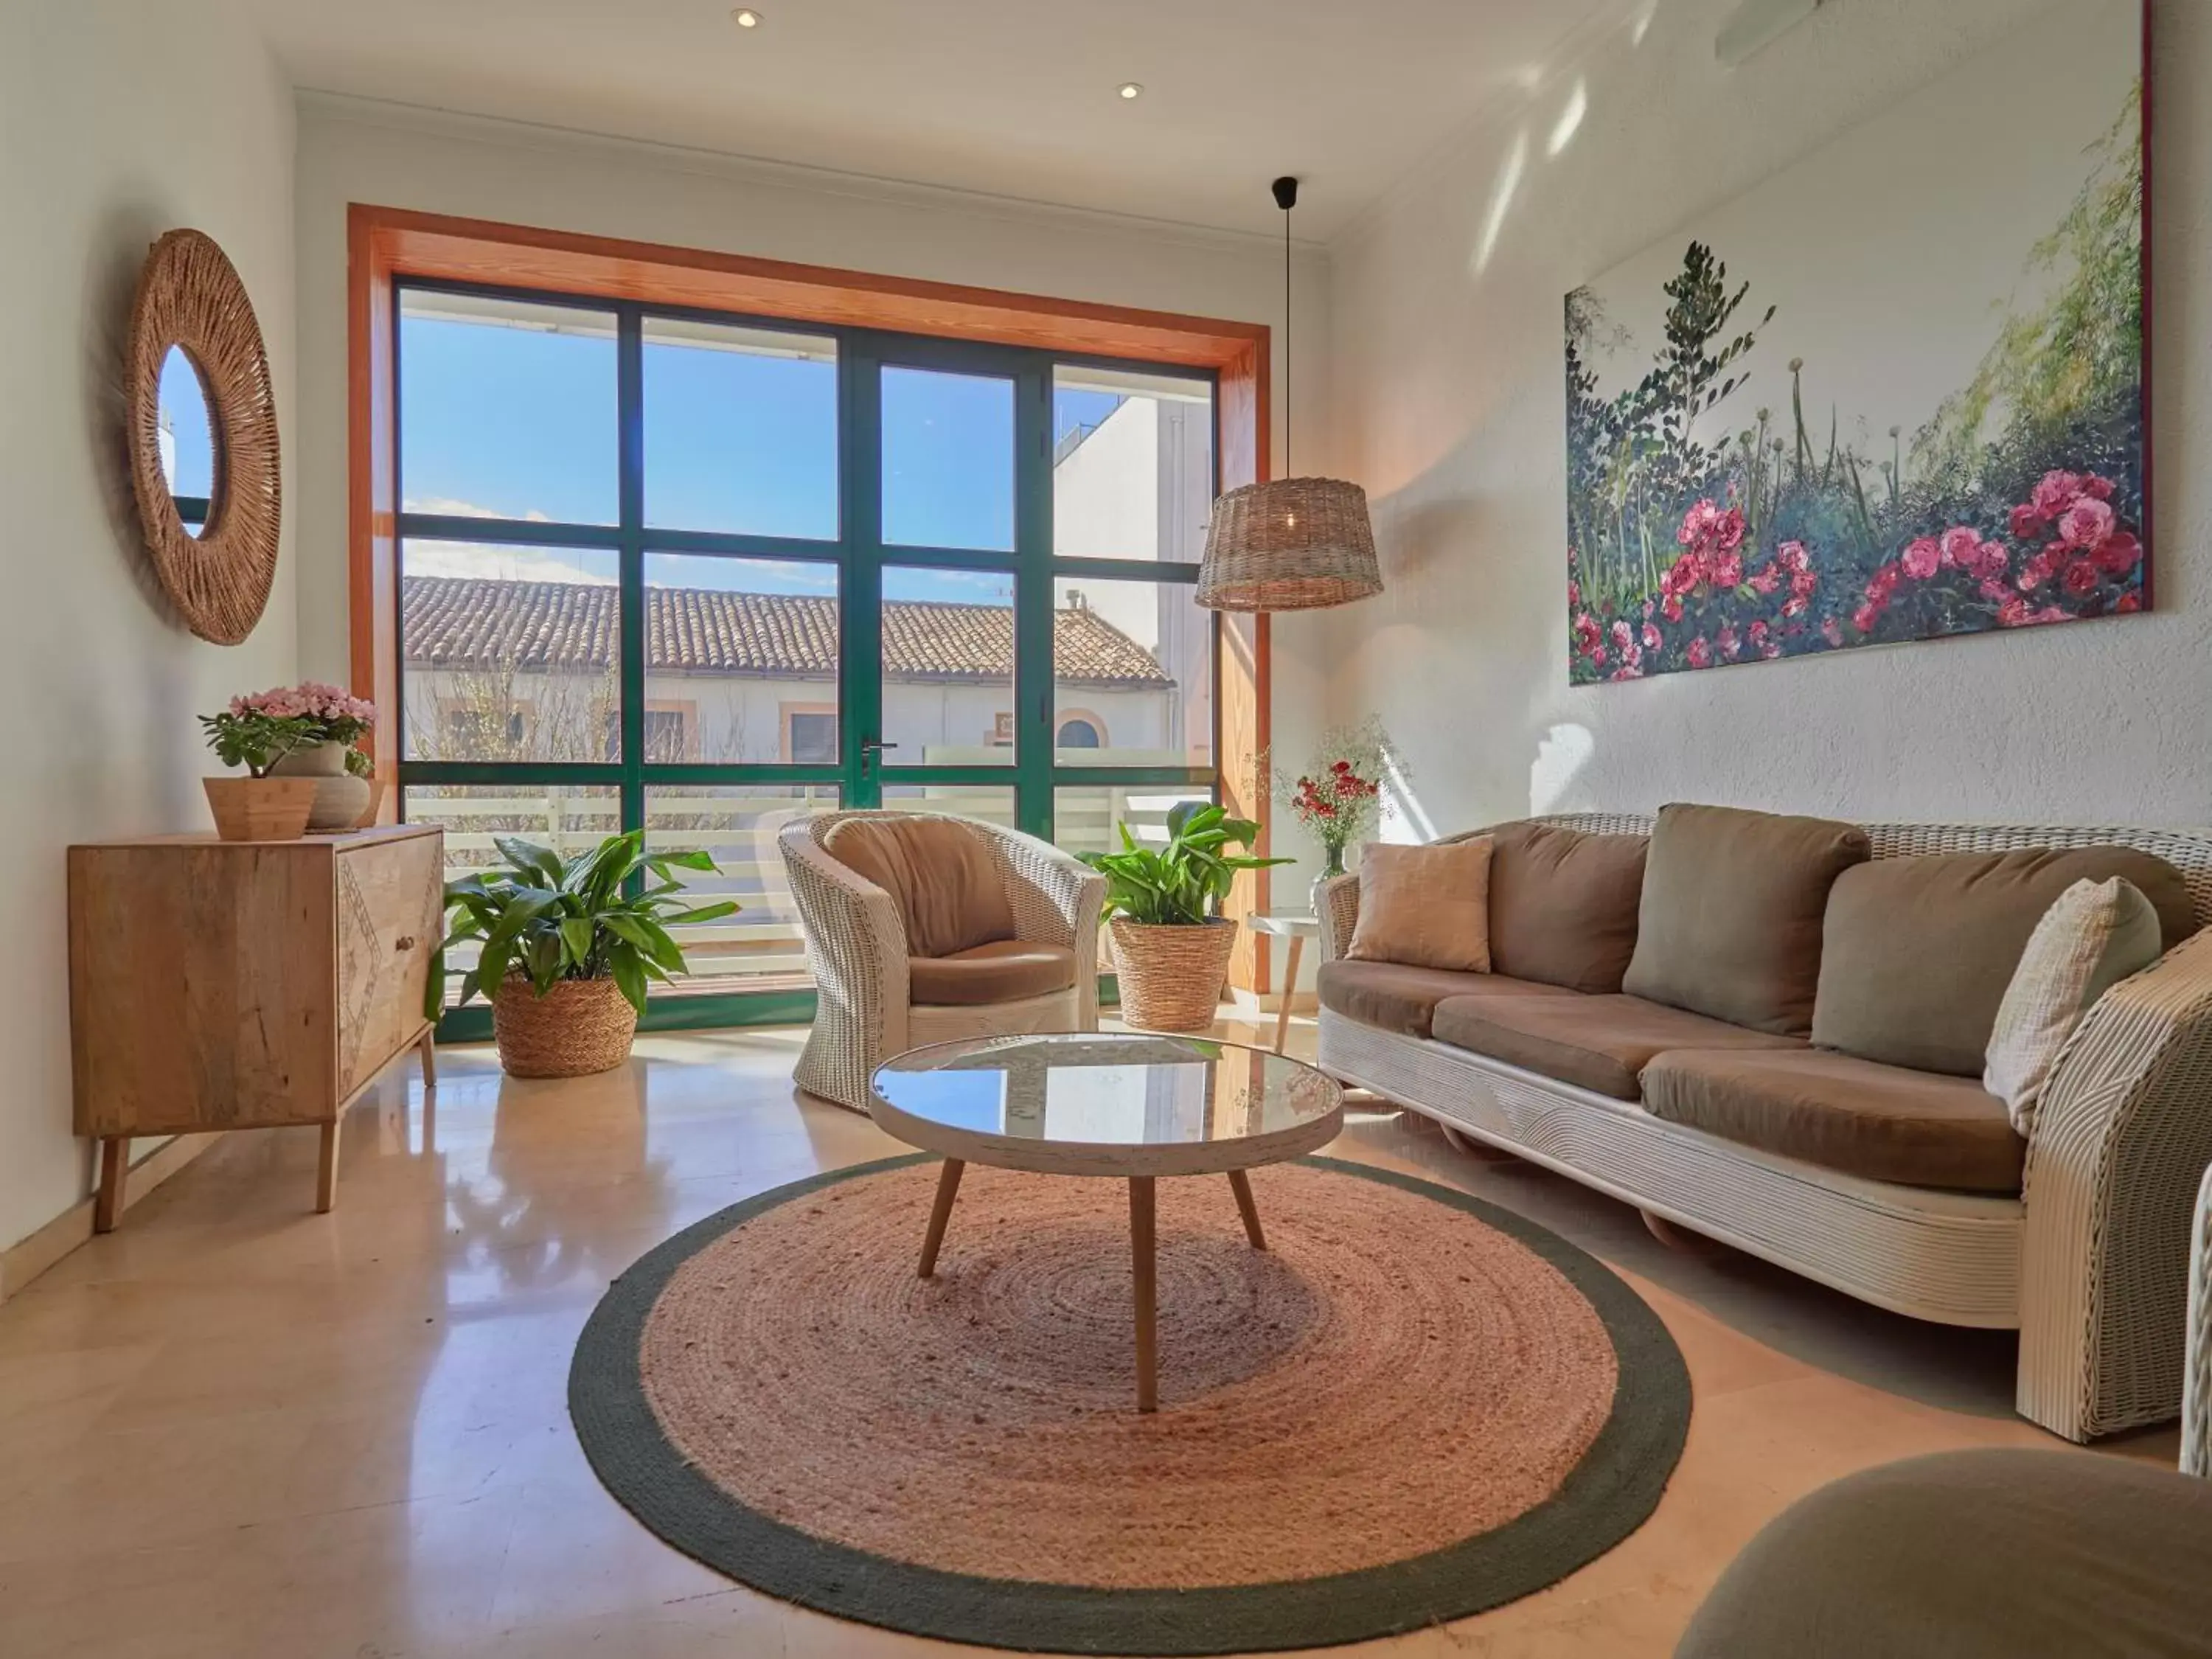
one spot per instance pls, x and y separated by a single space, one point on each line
188 445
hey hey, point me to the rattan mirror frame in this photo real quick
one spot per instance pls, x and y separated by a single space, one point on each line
190 296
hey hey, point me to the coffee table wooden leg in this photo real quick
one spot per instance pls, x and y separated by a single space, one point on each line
1142 1240
948 1188
1240 1184
1290 990
326 1170
114 1176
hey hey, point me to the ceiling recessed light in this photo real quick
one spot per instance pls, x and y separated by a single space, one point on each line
745 18
1130 89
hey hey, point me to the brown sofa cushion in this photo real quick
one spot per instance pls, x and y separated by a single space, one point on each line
1426 907
1730 919
941 873
1917 1129
1393 998
1601 1043
1562 905
1006 970
1916 952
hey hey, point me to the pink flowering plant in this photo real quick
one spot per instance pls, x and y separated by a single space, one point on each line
320 712
1339 796
2019 503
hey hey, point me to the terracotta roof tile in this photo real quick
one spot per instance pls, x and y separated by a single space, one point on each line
458 622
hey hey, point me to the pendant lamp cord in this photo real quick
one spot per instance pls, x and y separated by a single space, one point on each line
1286 343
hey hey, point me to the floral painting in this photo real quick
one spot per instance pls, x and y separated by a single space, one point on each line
1895 393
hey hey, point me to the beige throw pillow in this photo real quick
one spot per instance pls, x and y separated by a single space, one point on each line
2095 935
1425 907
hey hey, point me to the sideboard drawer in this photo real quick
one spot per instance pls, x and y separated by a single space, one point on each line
389 908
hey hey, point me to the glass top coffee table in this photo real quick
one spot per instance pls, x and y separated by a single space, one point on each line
1126 1105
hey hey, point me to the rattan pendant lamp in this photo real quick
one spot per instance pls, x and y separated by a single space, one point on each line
1289 543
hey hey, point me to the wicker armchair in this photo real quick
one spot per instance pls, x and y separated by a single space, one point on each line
2090 1264
856 946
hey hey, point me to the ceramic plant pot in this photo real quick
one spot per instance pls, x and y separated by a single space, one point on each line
340 797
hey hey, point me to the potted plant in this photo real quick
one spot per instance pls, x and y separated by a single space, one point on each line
1339 797
258 806
1171 944
337 720
568 948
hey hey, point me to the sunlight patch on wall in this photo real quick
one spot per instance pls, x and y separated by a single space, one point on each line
1571 118
1561 758
1501 199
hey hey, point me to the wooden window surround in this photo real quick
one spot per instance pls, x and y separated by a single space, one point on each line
385 244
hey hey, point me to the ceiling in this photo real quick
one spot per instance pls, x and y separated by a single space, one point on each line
1016 97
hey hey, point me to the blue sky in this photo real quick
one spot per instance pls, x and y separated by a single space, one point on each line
184 415
518 424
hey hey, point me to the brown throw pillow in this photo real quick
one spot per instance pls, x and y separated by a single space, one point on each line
1425 907
941 873
1730 920
1562 905
1918 951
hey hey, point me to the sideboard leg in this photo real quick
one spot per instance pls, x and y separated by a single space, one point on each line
114 1173
326 1170
428 1047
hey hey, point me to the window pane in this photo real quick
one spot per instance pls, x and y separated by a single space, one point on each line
1132 465
509 653
761 945
948 460
948 667
742 664
1087 820
507 409
993 803
740 430
570 818
1133 674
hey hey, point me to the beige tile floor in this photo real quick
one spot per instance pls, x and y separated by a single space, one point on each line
236 1429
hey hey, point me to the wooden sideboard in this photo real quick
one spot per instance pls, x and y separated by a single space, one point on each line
244 984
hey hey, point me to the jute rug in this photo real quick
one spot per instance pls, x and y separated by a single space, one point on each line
1413 1405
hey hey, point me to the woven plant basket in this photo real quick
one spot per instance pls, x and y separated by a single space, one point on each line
1171 977
579 1027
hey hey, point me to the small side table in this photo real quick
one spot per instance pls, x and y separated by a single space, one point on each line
1297 929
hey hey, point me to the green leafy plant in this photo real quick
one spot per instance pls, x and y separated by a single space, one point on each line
1182 884
255 740
543 918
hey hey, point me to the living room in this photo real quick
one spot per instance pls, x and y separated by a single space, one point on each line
705 647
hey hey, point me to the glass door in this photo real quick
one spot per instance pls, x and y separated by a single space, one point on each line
705 575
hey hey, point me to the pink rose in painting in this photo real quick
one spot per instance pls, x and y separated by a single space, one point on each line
1727 570
1804 582
2049 613
2027 523
1996 592
1623 635
1651 638
2054 493
1993 560
2080 577
1770 650
1671 608
1797 606
1768 578
1832 630
1597 657
1731 647
2085 524
2038 570
1882 584
1588 637
1681 578
2118 554
2013 613
1866 617
1697 525
1922 559
2101 488
1700 654
1758 632
1962 546
1574 594
2127 604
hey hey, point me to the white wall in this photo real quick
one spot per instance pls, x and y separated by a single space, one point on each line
118 121
353 151
1446 309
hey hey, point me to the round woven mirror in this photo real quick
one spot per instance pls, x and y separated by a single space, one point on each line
204 419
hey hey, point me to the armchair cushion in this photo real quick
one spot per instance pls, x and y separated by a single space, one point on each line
941 874
1004 970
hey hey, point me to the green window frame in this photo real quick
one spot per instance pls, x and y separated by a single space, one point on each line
860 555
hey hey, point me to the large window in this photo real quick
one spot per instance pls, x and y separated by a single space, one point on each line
703 574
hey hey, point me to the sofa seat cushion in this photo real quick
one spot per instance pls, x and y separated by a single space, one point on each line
1600 1043
1562 905
1916 952
1729 920
941 873
1859 1117
1393 998
1006 970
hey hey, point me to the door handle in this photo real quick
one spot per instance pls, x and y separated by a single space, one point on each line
875 746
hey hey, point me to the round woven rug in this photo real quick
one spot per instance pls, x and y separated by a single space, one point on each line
1412 1406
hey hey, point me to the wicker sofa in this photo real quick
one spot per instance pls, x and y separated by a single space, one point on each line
865 965
2088 1260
